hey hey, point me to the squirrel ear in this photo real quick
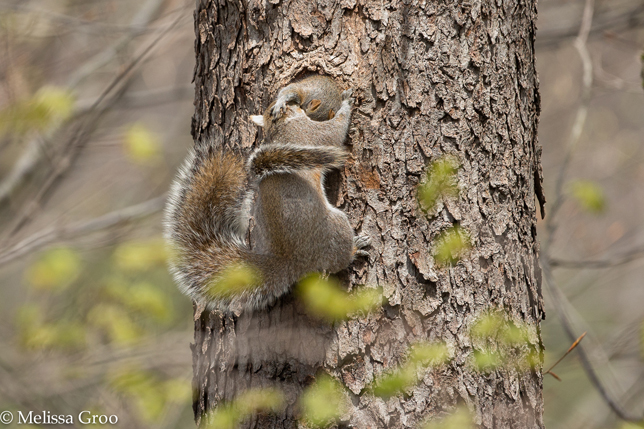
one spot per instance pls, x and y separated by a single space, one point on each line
257 119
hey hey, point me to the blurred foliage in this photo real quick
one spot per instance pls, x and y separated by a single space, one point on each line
324 298
235 279
141 298
451 245
589 195
230 415
322 403
119 300
56 269
141 145
34 333
628 425
642 339
140 255
148 392
47 107
422 356
459 419
441 182
499 342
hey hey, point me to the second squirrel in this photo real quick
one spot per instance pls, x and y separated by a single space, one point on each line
319 96
298 230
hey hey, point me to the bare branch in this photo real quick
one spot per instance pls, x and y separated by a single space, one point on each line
31 157
56 234
140 20
83 133
571 348
558 302
582 112
624 258
152 97
617 17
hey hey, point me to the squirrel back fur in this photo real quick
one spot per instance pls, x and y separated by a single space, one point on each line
207 216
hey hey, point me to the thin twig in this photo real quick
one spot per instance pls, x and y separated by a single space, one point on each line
582 112
571 348
624 258
84 131
76 21
558 299
610 19
57 234
137 24
145 98
31 156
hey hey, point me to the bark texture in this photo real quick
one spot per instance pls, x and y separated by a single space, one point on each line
430 78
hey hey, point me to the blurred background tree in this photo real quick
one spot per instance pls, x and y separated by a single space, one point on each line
95 107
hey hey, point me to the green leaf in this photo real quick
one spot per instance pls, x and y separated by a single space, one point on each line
178 391
55 270
234 280
116 323
487 325
255 400
589 195
460 419
395 382
48 106
228 416
425 354
323 402
451 245
140 255
514 335
144 390
224 417
325 298
441 182
421 356
141 145
487 360
149 300
70 335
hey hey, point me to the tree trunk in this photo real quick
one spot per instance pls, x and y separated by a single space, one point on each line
430 78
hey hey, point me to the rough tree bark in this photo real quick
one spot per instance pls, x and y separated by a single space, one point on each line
431 78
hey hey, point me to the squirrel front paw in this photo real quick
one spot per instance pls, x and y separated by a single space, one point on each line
347 96
279 108
359 243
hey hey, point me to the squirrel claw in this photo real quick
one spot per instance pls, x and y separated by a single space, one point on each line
347 97
278 109
360 242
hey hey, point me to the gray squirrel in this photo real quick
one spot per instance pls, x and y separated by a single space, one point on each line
319 96
208 211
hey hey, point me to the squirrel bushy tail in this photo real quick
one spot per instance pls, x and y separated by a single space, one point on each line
278 158
206 223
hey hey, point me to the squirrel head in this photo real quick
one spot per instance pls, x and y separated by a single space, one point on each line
274 127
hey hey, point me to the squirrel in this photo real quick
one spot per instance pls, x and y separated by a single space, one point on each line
298 231
318 95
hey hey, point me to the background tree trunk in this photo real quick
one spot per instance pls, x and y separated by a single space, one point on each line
430 78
